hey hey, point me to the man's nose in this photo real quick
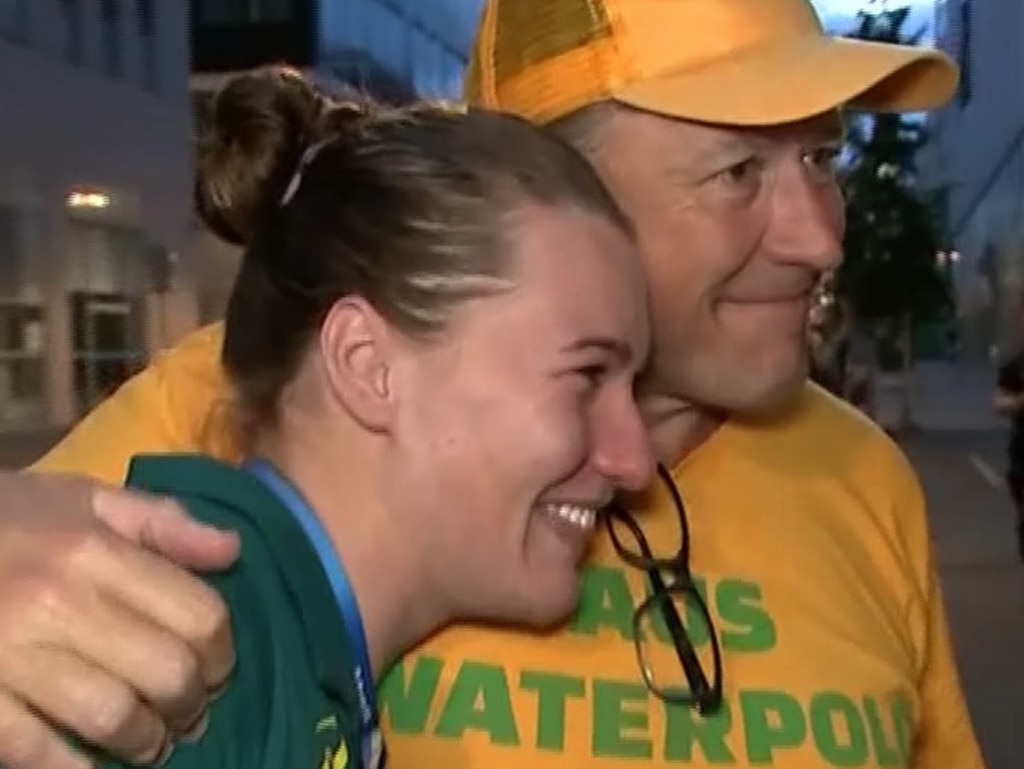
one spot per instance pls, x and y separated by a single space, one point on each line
807 221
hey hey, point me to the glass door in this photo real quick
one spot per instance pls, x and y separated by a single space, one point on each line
22 390
106 290
107 345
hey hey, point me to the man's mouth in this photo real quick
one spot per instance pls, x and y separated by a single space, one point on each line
790 297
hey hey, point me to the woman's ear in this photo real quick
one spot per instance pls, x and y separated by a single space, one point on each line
358 348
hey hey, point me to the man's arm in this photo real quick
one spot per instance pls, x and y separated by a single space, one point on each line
86 605
93 625
945 736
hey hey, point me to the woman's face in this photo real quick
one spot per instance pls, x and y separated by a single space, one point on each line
521 423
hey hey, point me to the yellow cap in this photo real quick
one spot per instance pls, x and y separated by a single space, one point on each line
732 62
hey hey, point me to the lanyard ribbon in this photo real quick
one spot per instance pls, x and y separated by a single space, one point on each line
346 599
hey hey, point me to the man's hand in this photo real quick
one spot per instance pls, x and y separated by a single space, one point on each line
99 634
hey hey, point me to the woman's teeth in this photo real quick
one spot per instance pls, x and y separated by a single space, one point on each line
577 515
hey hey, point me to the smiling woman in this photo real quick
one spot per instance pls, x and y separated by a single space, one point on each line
432 339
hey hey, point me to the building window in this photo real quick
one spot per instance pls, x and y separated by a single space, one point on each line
145 12
14 20
73 43
940 22
113 53
965 88
22 403
10 251
106 283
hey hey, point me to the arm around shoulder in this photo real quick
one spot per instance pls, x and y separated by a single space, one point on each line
239 720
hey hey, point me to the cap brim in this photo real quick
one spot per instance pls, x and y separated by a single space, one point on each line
799 78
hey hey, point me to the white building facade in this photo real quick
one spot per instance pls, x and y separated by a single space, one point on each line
95 174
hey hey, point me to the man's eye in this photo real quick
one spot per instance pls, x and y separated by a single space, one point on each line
823 161
740 182
592 375
741 172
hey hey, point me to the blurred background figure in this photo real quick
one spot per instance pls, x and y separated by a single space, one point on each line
1009 401
858 361
843 352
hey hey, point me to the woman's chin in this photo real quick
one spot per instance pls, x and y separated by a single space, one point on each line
555 604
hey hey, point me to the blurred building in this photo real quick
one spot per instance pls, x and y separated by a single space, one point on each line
394 50
977 155
101 261
95 165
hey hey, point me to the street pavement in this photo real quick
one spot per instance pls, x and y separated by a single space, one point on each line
944 397
957 446
983 579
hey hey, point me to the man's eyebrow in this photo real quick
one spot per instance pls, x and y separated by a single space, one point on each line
690 165
622 351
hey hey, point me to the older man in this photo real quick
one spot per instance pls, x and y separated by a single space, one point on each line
796 618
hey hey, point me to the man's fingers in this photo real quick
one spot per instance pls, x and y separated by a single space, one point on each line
88 702
164 670
28 742
100 636
162 526
172 599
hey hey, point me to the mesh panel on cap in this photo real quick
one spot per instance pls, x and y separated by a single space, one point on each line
528 32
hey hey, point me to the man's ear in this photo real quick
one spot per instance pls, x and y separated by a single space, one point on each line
358 346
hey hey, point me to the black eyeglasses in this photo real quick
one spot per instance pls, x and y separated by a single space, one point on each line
668 602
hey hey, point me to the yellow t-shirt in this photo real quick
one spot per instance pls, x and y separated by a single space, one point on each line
809 537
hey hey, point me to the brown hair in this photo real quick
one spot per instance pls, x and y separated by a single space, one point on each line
403 207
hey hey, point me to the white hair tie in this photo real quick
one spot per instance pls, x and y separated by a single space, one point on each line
307 157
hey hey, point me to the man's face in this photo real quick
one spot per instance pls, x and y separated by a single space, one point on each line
736 227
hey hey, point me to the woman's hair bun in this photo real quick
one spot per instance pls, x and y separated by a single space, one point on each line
250 143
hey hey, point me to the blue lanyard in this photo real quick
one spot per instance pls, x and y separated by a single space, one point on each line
310 522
